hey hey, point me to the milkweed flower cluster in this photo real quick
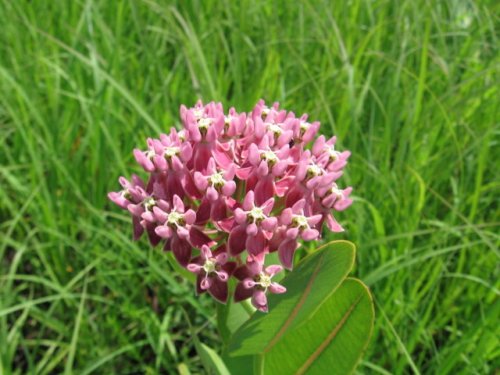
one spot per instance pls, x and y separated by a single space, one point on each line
230 188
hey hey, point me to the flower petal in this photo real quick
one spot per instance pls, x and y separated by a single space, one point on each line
237 239
285 253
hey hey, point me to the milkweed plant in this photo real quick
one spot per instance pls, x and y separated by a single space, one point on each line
233 195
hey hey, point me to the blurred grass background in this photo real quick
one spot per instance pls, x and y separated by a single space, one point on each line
411 87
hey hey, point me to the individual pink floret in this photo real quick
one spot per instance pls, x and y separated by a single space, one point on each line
256 281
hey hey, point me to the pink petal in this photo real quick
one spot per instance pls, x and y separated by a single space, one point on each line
197 238
203 213
212 194
206 283
221 258
244 173
277 288
183 233
160 215
309 234
241 293
124 182
189 217
178 204
182 250
148 216
163 231
160 162
286 216
259 300
264 190
298 207
255 263
319 145
224 159
280 168
263 169
315 219
269 224
332 224
252 229
240 216
292 233
248 283
200 181
267 207
211 167
229 173
248 202
137 227
285 253
273 269
144 161
205 251
193 267
253 154
256 244
218 211
229 188
222 275
218 290
237 239
135 209
118 199
186 152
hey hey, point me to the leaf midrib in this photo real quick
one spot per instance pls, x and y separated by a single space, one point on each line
310 360
297 307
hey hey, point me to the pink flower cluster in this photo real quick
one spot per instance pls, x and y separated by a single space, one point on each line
228 189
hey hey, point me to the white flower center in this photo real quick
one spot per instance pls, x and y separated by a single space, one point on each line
174 218
204 123
149 203
304 125
150 154
198 113
314 170
300 221
172 151
264 280
275 129
182 135
209 265
334 154
265 112
269 156
335 190
217 179
126 194
256 214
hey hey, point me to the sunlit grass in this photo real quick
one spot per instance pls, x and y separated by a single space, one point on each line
410 87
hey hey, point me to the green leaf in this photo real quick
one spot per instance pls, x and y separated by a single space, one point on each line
242 365
212 362
332 341
231 316
315 279
183 369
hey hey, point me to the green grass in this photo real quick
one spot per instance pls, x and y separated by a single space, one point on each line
411 87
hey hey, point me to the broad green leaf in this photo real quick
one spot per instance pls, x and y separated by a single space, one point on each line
331 341
315 278
242 365
211 360
231 316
